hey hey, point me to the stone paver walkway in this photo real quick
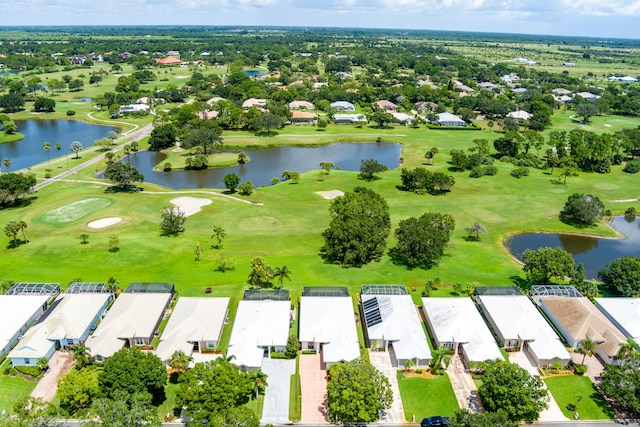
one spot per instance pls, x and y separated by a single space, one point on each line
276 398
314 389
553 412
594 366
59 364
382 361
463 386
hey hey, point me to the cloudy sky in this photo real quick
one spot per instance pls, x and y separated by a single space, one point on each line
597 18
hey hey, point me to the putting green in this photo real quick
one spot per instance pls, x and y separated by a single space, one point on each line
74 211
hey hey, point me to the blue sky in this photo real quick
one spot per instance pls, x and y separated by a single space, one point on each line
597 18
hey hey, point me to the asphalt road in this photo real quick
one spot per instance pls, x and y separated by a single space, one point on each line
73 423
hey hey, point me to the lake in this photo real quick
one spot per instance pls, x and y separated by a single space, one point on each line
267 163
254 73
593 252
28 151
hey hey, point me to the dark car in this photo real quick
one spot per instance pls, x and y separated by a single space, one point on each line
434 421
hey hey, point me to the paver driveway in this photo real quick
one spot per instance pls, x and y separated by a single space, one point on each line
59 365
314 389
382 361
463 386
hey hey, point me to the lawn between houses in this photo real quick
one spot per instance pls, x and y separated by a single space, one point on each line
579 391
424 396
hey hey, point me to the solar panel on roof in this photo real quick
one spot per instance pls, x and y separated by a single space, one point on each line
372 314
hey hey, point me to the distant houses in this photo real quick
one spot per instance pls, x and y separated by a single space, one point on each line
385 105
448 119
343 106
520 115
350 119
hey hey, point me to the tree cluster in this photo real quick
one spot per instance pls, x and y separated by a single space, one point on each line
420 180
421 241
13 186
582 209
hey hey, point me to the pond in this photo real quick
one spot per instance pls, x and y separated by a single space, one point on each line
82 99
593 252
28 151
267 163
254 73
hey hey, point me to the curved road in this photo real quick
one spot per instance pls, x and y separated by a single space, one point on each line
133 136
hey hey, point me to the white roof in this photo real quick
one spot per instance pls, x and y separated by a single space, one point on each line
258 324
15 312
342 104
330 321
254 102
448 117
624 312
458 320
403 117
192 320
520 114
400 325
587 95
517 317
131 315
70 319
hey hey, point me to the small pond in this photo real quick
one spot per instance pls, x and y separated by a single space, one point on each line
82 99
28 151
593 252
267 163
254 73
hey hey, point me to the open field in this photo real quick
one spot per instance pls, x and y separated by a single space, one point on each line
580 392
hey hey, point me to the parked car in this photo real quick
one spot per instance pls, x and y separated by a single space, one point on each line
434 421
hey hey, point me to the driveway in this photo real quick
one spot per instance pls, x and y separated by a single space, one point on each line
463 385
276 398
594 366
59 365
553 412
382 361
314 389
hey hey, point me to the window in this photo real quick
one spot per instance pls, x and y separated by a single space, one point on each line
211 345
449 345
512 344
310 346
27 362
139 341
70 342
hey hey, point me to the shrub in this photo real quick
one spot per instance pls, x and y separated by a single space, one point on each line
490 170
71 112
632 166
580 369
246 188
630 212
418 371
520 172
167 167
47 175
476 172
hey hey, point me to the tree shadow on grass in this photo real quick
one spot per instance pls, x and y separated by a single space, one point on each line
18 203
523 284
399 259
600 401
11 244
126 189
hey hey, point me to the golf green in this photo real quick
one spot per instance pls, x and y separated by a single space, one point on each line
76 210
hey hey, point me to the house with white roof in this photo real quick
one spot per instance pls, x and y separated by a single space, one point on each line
349 119
343 106
588 96
624 313
403 118
456 324
132 320
19 310
67 322
519 115
448 119
133 108
519 326
194 327
392 324
327 324
297 105
254 103
261 326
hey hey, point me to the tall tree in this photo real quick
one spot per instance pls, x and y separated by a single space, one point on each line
421 241
47 148
173 219
282 273
622 275
76 147
357 392
358 230
370 168
123 174
219 234
542 264
582 209
587 348
12 230
81 355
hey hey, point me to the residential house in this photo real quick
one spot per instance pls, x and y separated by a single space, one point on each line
456 324
343 106
132 320
624 313
461 87
133 108
425 107
303 117
392 324
168 61
207 115
349 119
300 105
448 119
519 326
67 322
385 105
194 327
577 319
327 324
588 96
561 91
519 115
488 86
261 327
254 103
403 118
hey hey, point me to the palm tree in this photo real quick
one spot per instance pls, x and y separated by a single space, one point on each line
259 379
282 273
587 348
629 351
47 148
180 361
81 355
112 284
439 358
7 163
22 226
219 234
12 230
42 363
109 155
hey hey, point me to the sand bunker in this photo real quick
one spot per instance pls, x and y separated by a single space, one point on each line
190 205
104 222
330 195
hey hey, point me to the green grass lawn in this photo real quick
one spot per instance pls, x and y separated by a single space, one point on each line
169 405
581 392
13 390
295 395
425 397
256 405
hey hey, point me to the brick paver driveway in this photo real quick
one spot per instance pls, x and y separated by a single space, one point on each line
314 389
59 365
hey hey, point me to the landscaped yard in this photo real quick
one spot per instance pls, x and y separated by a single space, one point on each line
425 397
581 392
13 390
